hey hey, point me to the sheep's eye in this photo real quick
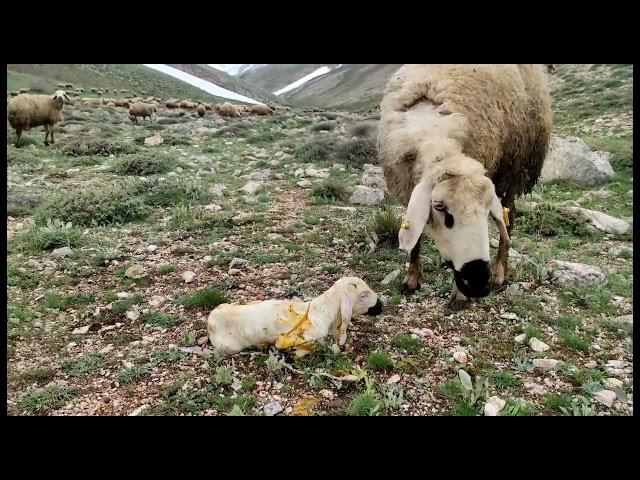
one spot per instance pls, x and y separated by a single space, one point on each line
440 207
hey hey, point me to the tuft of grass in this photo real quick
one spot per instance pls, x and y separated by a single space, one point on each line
464 408
363 129
330 191
248 383
315 151
134 374
517 408
46 399
574 341
125 305
503 380
551 221
556 401
85 365
206 298
407 343
160 320
380 360
143 164
66 302
39 375
55 234
223 376
356 153
170 356
364 404
323 126
95 146
166 268
386 225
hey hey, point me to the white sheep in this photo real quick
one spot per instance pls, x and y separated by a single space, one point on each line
27 111
289 324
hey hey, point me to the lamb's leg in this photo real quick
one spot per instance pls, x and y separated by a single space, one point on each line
46 134
500 266
414 274
51 133
18 136
458 300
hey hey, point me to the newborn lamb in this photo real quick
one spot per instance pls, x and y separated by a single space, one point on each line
291 324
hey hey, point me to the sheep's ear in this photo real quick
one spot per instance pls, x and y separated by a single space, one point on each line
416 217
346 311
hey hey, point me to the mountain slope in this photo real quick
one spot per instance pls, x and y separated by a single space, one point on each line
136 78
224 80
275 76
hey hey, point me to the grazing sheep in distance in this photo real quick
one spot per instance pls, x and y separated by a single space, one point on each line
261 110
92 101
27 111
171 104
201 110
459 143
207 106
228 110
140 109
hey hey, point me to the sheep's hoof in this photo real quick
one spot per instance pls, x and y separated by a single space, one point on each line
456 305
46 144
409 288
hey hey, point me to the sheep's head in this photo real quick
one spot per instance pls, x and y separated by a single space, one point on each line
356 298
456 212
60 98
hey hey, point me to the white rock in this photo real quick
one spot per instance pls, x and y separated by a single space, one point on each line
80 330
535 388
570 273
156 300
154 140
572 159
393 379
122 295
606 397
545 363
272 408
490 410
521 338
509 316
591 364
367 196
33 263
620 250
61 252
188 276
207 258
238 263
326 393
152 248
135 271
133 315
312 172
213 207
390 277
628 319
496 402
304 183
611 383
251 188
538 345
107 349
274 236
602 221
460 357
138 410
262 175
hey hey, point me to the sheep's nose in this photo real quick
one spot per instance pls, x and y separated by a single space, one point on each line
474 278
376 309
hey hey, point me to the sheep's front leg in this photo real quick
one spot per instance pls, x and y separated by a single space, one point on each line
500 266
51 134
18 136
46 134
458 300
414 274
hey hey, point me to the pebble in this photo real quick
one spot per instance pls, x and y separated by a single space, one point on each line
188 276
152 248
80 330
538 345
460 357
390 277
493 406
326 393
611 383
304 183
135 271
133 315
606 397
509 316
545 363
521 338
393 379
272 408
107 349
61 252
156 300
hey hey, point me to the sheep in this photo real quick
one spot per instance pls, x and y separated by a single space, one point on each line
141 109
550 67
228 110
92 101
260 110
27 111
201 110
187 104
171 104
458 143
207 106
290 324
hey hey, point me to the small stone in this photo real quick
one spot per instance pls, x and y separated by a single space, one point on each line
188 276
33 263
367 196
133 315
234 271
152 248
591 364
521 338
274 236
212 207
493 406
207 259
242 219
326 393
613 383
393 379
135 271
390 277
304 183
538 345
545 363
273 408
238 263
570 273
251 188
494 243
202 340
606 397
61 252
106 349
127 364
138 410
535 388
80 330
627 319
602 221
509 316
154 140
156 300
122 295
460 357
191 350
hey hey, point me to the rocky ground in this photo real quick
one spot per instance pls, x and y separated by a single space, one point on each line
122 238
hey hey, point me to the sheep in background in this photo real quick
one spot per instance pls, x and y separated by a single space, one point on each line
141 109
201 110
27 111
228 110
458 143
261 110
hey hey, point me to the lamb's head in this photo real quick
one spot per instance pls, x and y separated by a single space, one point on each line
60 98
357 297
456 212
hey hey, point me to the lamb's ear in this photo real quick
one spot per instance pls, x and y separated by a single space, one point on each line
346 311
498 214
416 217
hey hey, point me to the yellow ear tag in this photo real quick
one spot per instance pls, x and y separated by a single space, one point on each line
405 225
505 216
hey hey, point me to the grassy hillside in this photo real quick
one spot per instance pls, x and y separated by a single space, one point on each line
275 76
133 77
229 82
